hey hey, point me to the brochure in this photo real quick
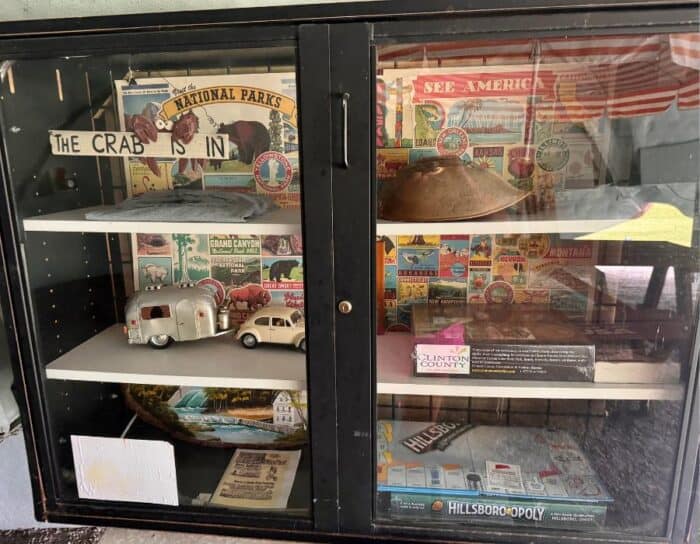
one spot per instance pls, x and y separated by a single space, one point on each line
258 479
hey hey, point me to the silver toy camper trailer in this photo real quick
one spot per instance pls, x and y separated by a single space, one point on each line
162 314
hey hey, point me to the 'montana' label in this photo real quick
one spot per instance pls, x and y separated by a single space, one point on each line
442 359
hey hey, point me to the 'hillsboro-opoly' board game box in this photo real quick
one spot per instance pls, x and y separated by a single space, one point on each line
520 475
438 507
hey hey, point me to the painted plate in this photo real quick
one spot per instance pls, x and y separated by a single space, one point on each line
221 417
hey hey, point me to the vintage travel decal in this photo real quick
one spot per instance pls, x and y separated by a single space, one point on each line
418 255
447 290
251 271
253 115
552 154
454 256
510 119
483 268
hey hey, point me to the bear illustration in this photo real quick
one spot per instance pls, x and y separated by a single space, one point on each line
254 296
251 138
280 269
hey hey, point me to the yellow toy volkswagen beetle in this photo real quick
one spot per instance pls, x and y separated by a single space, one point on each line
275 325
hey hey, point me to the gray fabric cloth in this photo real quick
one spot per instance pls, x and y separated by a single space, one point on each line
187 205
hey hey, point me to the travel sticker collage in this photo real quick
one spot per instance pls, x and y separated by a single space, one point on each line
423 113
485 269
256 113
252 271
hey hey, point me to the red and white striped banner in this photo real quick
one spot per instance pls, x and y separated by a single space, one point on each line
573 79
685 49
689 94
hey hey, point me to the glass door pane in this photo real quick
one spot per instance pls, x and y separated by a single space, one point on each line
537 279
159 199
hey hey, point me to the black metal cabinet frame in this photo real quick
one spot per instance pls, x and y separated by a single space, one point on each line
335 75
308 42
357 434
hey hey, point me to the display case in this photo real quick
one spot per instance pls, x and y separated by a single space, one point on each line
345 272
160 239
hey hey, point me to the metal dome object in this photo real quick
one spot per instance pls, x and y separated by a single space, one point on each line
445 189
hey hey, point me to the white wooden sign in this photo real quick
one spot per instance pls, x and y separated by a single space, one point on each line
127 144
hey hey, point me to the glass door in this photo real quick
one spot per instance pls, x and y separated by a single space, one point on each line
158 205
536 281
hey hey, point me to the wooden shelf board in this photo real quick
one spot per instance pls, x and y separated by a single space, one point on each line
280 221
543 222
212 362
395 370
288 221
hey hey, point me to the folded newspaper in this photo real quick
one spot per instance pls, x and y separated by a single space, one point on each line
187 205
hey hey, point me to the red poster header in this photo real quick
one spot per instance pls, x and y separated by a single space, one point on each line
483 84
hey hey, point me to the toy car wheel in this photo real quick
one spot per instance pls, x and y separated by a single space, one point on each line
160 341
249 341
302 345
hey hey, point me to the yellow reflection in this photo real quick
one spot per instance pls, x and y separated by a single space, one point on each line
657 223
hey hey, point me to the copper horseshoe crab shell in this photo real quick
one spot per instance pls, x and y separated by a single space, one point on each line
445 189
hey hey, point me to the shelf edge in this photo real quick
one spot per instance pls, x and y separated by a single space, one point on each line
497 227
31 225
595 391
157 379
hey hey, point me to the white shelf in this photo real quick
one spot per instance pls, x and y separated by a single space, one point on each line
396 377
213 362
544 222
279 221
288 221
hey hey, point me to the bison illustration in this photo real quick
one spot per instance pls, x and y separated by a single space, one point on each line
254 296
